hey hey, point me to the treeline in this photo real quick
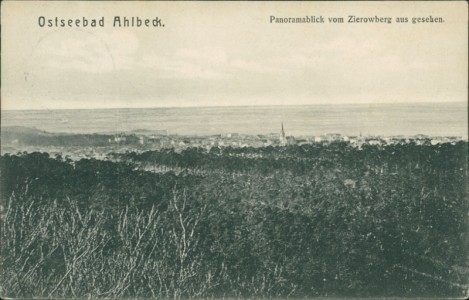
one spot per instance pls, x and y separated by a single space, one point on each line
34 137
292 221
337 157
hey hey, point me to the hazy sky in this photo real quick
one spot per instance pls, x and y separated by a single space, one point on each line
230 54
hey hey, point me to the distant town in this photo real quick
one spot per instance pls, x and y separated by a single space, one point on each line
98 146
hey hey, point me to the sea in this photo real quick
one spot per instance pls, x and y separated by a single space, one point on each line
432 119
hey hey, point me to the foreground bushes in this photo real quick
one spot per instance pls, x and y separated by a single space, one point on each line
101 229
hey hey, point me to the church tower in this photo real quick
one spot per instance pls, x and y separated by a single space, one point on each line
283 139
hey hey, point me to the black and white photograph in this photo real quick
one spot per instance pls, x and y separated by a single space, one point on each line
234 150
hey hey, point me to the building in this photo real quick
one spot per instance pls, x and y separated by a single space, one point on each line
283 140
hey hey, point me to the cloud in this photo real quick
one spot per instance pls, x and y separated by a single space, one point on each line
185 63
87 52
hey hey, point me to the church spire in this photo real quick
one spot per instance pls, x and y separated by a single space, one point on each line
282 136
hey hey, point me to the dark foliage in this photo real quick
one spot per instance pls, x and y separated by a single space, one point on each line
297 221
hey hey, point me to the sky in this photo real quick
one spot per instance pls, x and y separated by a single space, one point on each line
229 54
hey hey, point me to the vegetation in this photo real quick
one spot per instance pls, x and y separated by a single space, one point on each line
296 221
34 137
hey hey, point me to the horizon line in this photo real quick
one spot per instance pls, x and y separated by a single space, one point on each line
227 106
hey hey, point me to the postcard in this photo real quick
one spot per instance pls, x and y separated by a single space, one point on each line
231 149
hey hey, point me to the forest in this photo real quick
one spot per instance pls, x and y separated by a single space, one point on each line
295 221
26 136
